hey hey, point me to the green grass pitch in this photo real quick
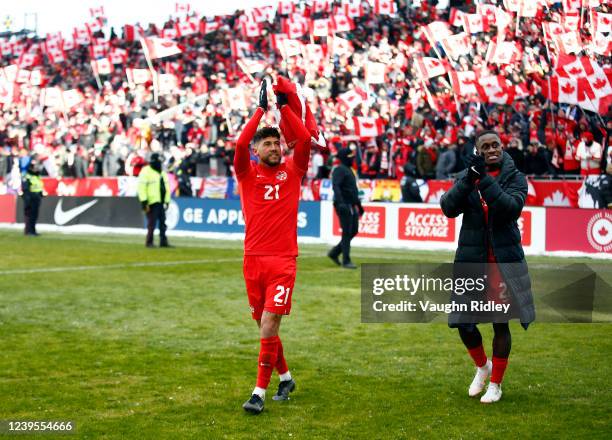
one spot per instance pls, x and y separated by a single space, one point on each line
138 343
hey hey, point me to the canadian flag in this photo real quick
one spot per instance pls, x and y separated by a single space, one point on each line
342 23
291 48
319 6
56 56
367 127
262 14
131 33
487 11
97 12
571 22
384 7
102 66
167 83
169 33
601 44
206 27
474 23
251 66
352 98
186 28
375 73
28 60
601 22
23 76
572 5
502 20
37 78
457 45
68 45
495 90
98 50
276 41
285 8
430 67
320 28
341 46
313 53
118 56
72 98
456 17
241 49
552 29
160 48
7 90
94 26
436 31
52 97
504 52
464 83
54 37
563 90
138 76
568 42
594 82
528 8
251 29
82 35
353 9
295 29
182 8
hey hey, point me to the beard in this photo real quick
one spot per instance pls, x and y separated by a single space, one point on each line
271 160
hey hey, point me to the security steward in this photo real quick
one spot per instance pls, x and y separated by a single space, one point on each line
32 188
154 196
347 205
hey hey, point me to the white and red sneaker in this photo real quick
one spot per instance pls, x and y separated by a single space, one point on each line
482 374
493 394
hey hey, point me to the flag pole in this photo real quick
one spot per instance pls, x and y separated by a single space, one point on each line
95 72
153 72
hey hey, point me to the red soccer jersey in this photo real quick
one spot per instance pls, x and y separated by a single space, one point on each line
270 195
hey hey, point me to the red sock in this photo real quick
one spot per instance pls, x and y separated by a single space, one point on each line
281 363
479 355
499 368
267 360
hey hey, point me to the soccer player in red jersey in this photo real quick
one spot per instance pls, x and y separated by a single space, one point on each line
269 193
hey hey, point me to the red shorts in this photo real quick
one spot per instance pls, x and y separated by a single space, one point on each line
269 283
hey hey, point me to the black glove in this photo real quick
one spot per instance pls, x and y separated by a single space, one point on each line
145 206
281 99
476 168
263 96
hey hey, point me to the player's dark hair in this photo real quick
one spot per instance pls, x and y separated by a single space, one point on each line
265 132
483 133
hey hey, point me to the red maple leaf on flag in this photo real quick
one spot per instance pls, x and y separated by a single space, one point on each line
367 125
603 231
600 83
468 82
558 31
500 94
575 70
434 63
605 20
568 88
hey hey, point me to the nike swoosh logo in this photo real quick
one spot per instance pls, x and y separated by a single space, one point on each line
62 217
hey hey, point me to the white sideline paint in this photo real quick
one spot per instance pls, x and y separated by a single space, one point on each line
395 245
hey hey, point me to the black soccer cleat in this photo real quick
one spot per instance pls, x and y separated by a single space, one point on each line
349 265
254 405
284 388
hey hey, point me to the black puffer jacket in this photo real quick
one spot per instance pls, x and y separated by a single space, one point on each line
505 196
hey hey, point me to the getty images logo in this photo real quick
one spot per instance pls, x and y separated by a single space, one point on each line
62 217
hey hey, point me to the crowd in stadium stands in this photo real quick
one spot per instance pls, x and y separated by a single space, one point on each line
427 126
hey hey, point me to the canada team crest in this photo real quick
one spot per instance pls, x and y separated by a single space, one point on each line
281 175
599 232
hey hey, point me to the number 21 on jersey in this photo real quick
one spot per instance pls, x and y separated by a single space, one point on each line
282 296
271 192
